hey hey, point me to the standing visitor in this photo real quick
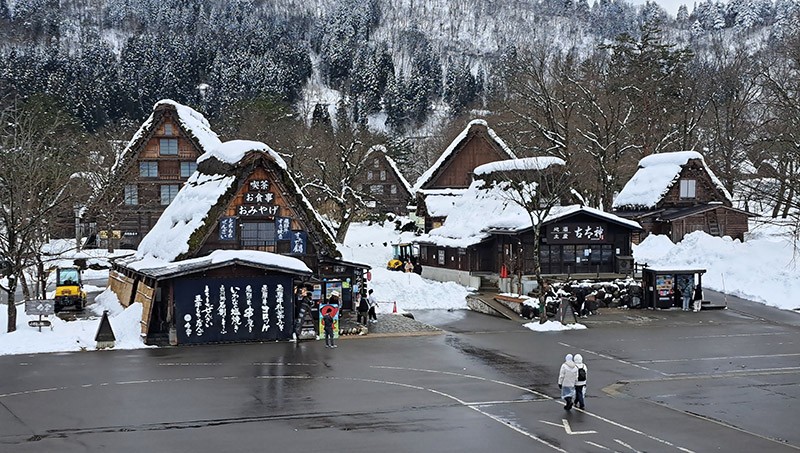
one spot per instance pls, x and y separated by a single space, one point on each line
373 307
327 322
363 308
698 298
567 377
686 287
580 384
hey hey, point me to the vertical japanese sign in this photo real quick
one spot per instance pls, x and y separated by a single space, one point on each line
227 229
298 242
283 228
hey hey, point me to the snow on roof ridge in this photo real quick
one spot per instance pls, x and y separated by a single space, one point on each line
233 151
657 173
425 177
526 163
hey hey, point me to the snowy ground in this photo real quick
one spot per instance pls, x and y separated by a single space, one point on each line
764 268
761 269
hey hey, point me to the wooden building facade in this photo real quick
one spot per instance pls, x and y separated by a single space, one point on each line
151 170
382 181
241 201
452 173
674 194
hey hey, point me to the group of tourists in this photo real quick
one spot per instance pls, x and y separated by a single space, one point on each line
572 381
367 306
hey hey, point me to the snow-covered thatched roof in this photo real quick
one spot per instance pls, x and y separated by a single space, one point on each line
193 123
455 145
656 175
524 164
195 211
485 206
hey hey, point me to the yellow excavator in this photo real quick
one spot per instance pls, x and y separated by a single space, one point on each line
401 253
69 289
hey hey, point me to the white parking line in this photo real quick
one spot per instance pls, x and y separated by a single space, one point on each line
731 357
608 357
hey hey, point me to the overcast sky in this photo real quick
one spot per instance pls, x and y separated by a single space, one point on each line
670 5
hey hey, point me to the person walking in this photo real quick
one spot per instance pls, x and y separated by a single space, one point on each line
327 322
373 307
567 377
580 384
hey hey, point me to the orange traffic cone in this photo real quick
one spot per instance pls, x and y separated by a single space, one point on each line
394 307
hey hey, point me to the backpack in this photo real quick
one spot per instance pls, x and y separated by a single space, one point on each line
581 374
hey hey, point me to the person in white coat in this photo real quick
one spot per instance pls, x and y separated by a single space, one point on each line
580 385
567 377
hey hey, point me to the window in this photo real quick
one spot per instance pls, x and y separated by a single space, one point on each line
360 187
370 175
188 168
376 189
383 175
376 163
168 192
168 146
393 189
131 194
440 257
148 169
168 129
258 234
688 188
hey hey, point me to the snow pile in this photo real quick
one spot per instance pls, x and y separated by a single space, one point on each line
761 269
552 326
525 164
371 244
73 335
231 152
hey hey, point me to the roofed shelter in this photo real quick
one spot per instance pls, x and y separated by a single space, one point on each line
452 173
148 174
241 198
675 194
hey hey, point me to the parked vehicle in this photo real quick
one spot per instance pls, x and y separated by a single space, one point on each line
69 289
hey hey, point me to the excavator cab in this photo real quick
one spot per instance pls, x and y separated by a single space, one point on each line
69 289
402 252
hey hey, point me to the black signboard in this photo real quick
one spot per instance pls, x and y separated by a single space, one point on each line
576 233
227 229
236 309
283 228
298 242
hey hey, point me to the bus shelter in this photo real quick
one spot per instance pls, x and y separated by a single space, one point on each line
663 287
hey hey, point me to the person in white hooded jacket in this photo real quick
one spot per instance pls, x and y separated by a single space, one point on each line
567 378
580 385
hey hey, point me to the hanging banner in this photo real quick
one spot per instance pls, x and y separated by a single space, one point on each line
298 243
227 229
283 228
234 309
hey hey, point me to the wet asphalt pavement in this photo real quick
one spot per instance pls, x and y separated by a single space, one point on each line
659 381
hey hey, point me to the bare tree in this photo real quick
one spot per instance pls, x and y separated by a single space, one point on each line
36 171
538 185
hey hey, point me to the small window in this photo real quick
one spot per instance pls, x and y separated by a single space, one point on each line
688 188
360 187
370 175
131 194
188 168
393 189
257 234
148 169
376 163
168 192
440 257
168 131
383 175
376 189
168 146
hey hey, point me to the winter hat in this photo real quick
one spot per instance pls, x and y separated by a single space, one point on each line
578 358
334 293
568 358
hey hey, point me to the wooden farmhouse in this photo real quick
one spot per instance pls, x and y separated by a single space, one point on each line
484 232
244 202
451 174
675 194
382 181
150 171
